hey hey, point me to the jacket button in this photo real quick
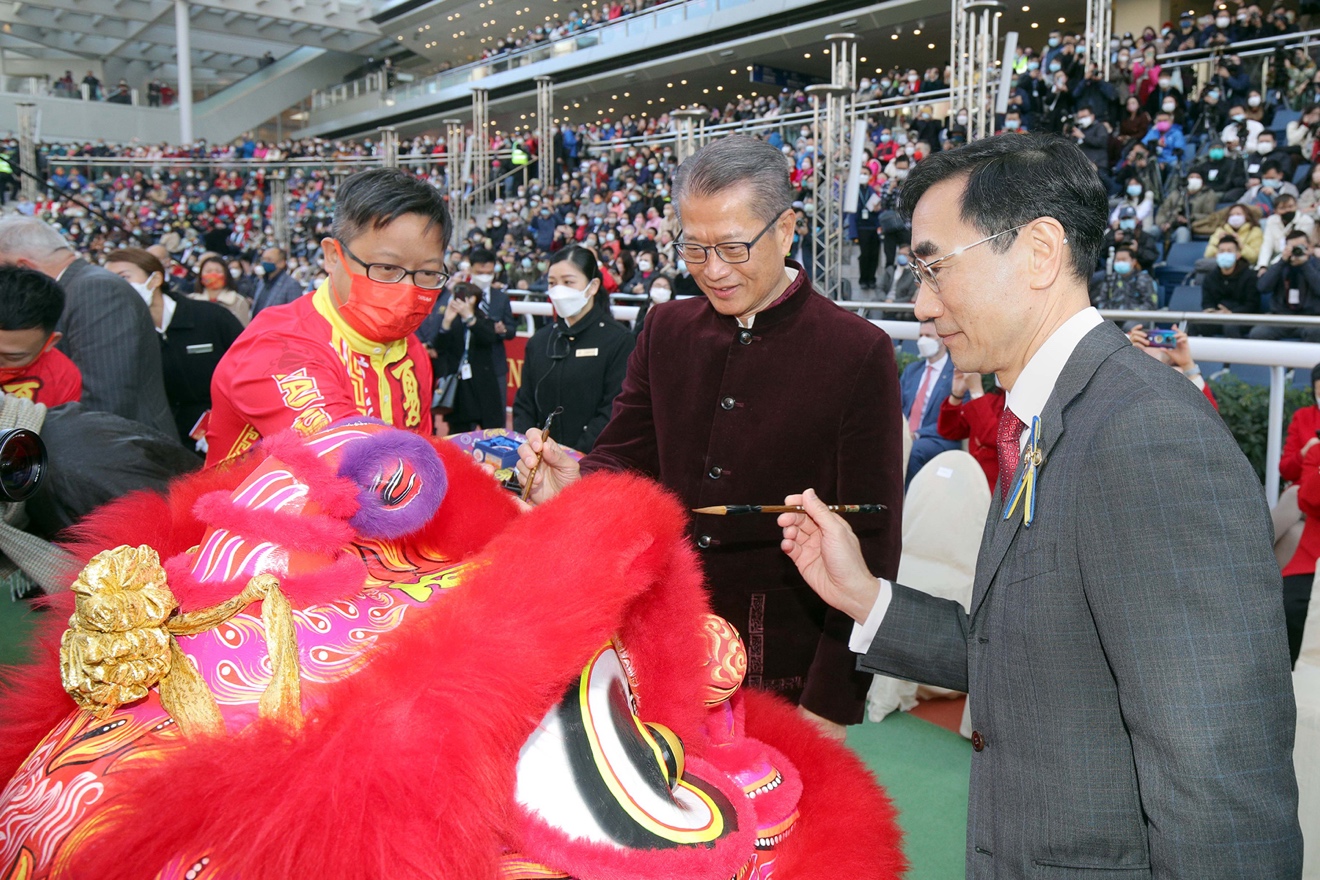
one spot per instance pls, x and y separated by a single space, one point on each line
728 403
714 472
745 337
703 542
978 741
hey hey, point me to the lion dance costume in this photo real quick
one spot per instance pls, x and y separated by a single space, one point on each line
349 656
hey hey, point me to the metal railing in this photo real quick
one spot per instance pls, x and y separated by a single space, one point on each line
1280 357
1204 59
898 108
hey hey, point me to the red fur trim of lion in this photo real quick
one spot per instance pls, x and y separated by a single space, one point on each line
846 829
407 768
32 700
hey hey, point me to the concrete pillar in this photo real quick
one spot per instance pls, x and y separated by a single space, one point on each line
28 124
183 54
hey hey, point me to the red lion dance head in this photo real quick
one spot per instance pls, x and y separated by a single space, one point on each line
358 660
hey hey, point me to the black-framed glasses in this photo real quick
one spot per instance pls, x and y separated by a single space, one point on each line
387 273
926 272
728 251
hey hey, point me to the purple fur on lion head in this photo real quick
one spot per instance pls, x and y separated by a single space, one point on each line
401 483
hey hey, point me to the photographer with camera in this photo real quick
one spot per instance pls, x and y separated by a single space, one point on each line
1300 133
463 349
1293 284
1093 137
1126 231
1285 220
1057 106
1124 284
1166 137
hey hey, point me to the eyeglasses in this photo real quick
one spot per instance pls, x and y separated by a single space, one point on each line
728 251
387 273
926 271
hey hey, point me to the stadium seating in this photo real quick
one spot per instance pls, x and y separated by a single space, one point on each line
1185 298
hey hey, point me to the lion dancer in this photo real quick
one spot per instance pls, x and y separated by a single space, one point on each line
348 349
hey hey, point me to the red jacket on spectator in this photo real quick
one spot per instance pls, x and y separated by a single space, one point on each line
1305 422
51 379
977 422
1308 499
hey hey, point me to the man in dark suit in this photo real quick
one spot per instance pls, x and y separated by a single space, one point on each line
1125 654
108 332
276 287
495 304
758 384
924 384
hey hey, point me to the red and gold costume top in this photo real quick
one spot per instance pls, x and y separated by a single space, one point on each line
302 366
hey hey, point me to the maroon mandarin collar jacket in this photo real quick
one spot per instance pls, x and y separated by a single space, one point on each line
808 397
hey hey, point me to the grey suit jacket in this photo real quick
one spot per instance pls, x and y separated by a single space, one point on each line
1125 657
109 334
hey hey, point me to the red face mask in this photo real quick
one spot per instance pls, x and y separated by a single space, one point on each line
213 280
384 312
9 374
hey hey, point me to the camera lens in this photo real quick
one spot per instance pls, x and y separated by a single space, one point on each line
22 464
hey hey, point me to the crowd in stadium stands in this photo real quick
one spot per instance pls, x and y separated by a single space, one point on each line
576 22
1226 162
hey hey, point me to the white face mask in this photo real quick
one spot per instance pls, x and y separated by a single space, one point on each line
1253 101
483 281
145 291
961 119
1193 184
643 266
661 294
927 347
568 301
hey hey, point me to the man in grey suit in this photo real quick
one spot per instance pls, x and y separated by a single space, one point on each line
1125 655
108 331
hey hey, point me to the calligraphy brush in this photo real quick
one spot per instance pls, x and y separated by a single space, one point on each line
545 436
739 509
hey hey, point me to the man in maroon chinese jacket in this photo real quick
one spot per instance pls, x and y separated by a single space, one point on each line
745 396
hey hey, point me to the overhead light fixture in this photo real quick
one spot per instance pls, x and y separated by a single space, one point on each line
726 53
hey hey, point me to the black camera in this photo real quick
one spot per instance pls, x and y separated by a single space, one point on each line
1297 250
22 464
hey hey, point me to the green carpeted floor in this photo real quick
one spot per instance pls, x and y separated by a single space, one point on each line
15 627
924 768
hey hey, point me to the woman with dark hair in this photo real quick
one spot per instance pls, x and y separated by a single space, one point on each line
658 290
215 284
463 346
578 361
194 335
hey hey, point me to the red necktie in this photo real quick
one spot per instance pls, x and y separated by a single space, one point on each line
1010 449
919 405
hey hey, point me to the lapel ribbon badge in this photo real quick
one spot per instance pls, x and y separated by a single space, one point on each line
1024 489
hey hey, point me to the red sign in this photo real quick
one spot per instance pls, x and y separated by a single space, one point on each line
515 350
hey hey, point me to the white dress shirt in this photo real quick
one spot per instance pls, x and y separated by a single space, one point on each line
1027 400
